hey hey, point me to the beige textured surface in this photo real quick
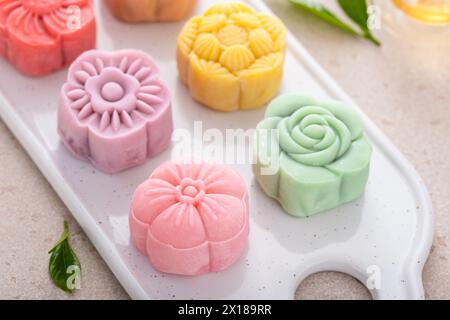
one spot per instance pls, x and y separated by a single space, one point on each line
403 87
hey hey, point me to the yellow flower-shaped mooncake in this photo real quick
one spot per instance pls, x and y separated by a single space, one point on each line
232 57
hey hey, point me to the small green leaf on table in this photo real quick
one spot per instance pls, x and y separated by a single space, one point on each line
64 267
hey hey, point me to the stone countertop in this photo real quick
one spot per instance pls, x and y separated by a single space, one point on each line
402 86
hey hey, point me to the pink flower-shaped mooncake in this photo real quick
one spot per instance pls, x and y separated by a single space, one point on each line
114 109
41 36
191 218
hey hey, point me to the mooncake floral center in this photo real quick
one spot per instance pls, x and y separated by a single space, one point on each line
190 191
314 136
115 92
112 91
41 6
232 34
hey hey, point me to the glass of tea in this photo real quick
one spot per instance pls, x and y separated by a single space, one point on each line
426 22
434 12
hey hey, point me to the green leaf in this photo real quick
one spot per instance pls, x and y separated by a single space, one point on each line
357 11
322 12
64 267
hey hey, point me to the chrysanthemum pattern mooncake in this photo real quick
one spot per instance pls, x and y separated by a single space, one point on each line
115 111
232 57
191 218
41 36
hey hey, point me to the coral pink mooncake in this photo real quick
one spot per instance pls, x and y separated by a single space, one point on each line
41 36
190 219
114 109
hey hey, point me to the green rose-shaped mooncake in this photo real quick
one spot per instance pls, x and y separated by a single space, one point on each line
311 155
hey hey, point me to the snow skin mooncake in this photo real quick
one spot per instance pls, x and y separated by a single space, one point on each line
311 154
114 109
42 36
190 218
151 10
232 57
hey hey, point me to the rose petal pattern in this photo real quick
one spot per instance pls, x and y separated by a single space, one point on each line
317 158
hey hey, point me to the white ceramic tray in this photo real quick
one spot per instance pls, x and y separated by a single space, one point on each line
383 238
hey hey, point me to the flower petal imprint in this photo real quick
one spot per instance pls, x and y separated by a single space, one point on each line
114 110
190 218
232 57
319 157
41 36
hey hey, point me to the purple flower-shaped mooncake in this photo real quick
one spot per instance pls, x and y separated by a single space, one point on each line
114 110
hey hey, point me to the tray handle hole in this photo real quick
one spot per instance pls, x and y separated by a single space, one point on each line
331 286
